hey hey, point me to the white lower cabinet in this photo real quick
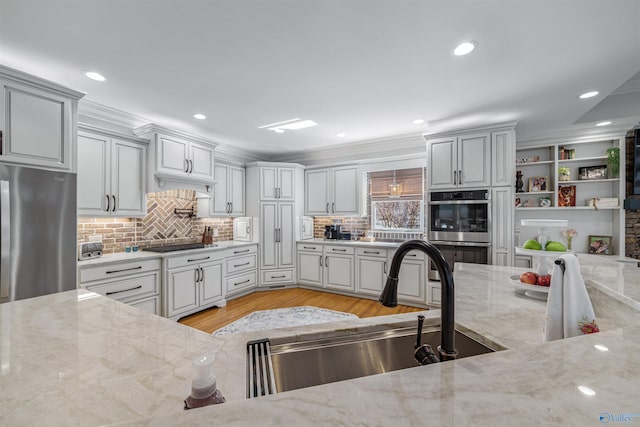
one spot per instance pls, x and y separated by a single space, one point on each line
192 283
241 274
339 271
371 270
412 279
326 266
136 283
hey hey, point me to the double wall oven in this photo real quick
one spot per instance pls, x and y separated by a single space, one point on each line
460 226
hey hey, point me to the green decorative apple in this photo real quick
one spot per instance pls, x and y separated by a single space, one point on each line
555 246
532 244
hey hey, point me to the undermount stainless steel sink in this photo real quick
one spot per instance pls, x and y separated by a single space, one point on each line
298 365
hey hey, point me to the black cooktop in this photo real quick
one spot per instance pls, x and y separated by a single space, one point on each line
172 248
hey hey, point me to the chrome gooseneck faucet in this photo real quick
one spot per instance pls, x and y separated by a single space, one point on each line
389 296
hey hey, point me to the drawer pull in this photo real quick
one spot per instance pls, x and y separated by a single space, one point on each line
413 255
198 259
124 269
242 283
241 252
278 277
240 265
372 252
125 290
309 247
339 250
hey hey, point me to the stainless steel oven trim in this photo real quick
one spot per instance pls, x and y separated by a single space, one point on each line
448 243
462 236
461 202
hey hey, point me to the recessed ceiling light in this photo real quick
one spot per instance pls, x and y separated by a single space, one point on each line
464 48
293 124
95 76
418 121
199 116
601 347
586 390
278 130
341 135
589 94
603 123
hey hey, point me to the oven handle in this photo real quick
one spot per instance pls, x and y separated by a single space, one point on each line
461 202
449 243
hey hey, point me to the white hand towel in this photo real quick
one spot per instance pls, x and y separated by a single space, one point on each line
569 309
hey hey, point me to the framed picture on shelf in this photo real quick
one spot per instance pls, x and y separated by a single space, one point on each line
566 196
592 172
538 183
600 245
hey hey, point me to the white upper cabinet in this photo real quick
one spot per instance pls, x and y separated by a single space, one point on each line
228 193
503 151
277 183
332 191
111 175
37 121
459 161
178 160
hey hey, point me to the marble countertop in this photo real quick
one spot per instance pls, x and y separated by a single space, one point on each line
362 243
78 358
132 256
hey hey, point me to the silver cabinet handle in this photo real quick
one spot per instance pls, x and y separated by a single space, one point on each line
248 229
242 283
186 165
455 177
326 261
108 203
240 265
196 272
385 267
201 274
124 290
413 255
372 252
338 250
124 269
114 203
242 251
198 259
191 166
460 177
321 261
333 207
327 207
309 247
230 207
278 277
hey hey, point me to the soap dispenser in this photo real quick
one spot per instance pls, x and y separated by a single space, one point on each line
203 387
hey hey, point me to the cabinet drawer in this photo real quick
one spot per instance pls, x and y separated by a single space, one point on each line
151 305
244 250
243 263
194 259
413 255
242 281
128 289
101 272
433 296
310 247
277 276
344 250
374 252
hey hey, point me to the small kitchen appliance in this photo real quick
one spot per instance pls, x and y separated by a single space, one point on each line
333 231
89 250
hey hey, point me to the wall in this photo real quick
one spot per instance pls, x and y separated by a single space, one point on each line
161 225
632 217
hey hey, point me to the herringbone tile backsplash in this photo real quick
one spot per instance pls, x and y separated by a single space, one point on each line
161 225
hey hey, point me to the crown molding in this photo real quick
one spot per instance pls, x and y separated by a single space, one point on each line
21 77
497 127
87 127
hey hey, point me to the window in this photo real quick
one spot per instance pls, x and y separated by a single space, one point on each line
396 200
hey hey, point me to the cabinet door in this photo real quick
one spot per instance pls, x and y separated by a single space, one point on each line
503 158
220 198
371 275
37 127
310 266
268 183
211 283
412 280
183 291
172 155
286 184
242 229
339 272
93 176
128 178
236 190
286 235
345 191
202 161
268 231
474 160
442 163
316 194
502 212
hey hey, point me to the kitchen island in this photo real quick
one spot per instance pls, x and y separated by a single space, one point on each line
76 358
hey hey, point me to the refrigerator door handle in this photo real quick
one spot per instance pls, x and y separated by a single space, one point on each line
5 239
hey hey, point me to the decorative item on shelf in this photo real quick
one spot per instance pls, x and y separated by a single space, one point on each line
529 204
569 235
566 195
564 173
545 202
531 159
519 183
613 159
538 183
566 153
603 202
518 202
592 172
600 245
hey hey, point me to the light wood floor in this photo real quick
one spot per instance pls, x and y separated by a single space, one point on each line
215 318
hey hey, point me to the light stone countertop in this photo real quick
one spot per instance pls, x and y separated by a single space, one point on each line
375 244
77 358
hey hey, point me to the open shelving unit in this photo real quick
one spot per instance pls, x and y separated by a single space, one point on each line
542 158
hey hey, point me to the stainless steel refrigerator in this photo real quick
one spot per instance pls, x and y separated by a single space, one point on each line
37 232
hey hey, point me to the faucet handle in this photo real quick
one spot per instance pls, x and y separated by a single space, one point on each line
419 334
425 355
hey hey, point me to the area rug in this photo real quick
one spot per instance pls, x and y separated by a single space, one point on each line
283 318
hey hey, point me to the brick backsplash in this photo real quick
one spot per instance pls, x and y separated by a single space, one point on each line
351 223
160 226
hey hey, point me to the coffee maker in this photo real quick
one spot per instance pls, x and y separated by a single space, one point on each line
333 232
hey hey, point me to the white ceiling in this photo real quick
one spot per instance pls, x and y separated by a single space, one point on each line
367 68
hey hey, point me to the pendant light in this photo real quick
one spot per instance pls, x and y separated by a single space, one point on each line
395 189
